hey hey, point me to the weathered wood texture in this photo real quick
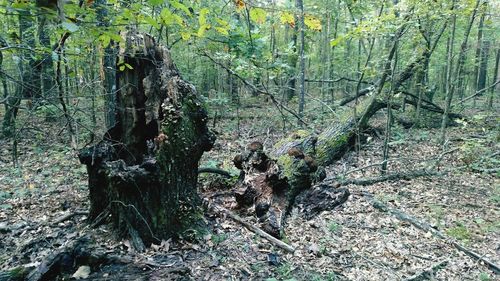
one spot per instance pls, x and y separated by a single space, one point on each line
144 171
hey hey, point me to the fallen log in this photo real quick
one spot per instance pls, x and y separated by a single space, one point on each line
428 228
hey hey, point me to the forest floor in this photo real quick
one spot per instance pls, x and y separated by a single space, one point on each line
355 241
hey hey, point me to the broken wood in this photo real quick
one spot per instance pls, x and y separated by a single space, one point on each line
68 216
426 227
253 228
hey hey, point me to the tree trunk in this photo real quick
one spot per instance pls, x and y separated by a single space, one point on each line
300 7
459 71
108 69
30 87
46 63
144 172
496 77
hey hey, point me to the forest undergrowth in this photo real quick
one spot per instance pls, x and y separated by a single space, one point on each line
43 203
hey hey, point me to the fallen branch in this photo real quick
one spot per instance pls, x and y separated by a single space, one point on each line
253 228
428 273
68 216
427 228
208 170
388 177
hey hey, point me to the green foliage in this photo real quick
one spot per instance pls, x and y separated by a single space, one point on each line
460 232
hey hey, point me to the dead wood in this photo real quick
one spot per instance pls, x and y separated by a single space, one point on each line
321 197
253 228
209 170
68 216
428 273
145 170
388 177
428 228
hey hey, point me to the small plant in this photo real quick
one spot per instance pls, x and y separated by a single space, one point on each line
459 232
471 152
333 227
483 276
284 271
219 238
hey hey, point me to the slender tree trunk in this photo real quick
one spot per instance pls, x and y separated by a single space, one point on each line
496 77
459 70
29 85
300 7
46 63
108 67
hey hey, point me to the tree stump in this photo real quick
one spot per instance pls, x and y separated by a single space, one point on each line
144 171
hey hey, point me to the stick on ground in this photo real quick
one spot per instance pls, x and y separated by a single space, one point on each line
253 228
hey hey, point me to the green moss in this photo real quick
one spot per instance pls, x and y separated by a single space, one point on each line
286 163
294 136
329 146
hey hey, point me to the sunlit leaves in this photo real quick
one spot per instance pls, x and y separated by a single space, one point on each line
202 20
155 2
222 26
312 23
287 18
178 5
258 15
239 4
169 18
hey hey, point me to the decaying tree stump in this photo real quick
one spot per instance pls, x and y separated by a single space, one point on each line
271 188
144 171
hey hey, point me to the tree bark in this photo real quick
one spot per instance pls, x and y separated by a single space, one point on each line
46 63
300 7
108 69
144 172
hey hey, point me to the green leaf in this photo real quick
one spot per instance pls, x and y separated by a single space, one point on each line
155 2
150 20
178 5
258 15
312 22
69 26
185 35
203 16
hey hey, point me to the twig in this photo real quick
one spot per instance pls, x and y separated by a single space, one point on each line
253 228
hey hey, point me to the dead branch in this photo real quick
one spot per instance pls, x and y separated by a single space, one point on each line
427 228
68 216
209 170
428 273
253 228
388 177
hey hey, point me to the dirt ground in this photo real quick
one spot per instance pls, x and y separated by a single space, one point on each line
355 241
